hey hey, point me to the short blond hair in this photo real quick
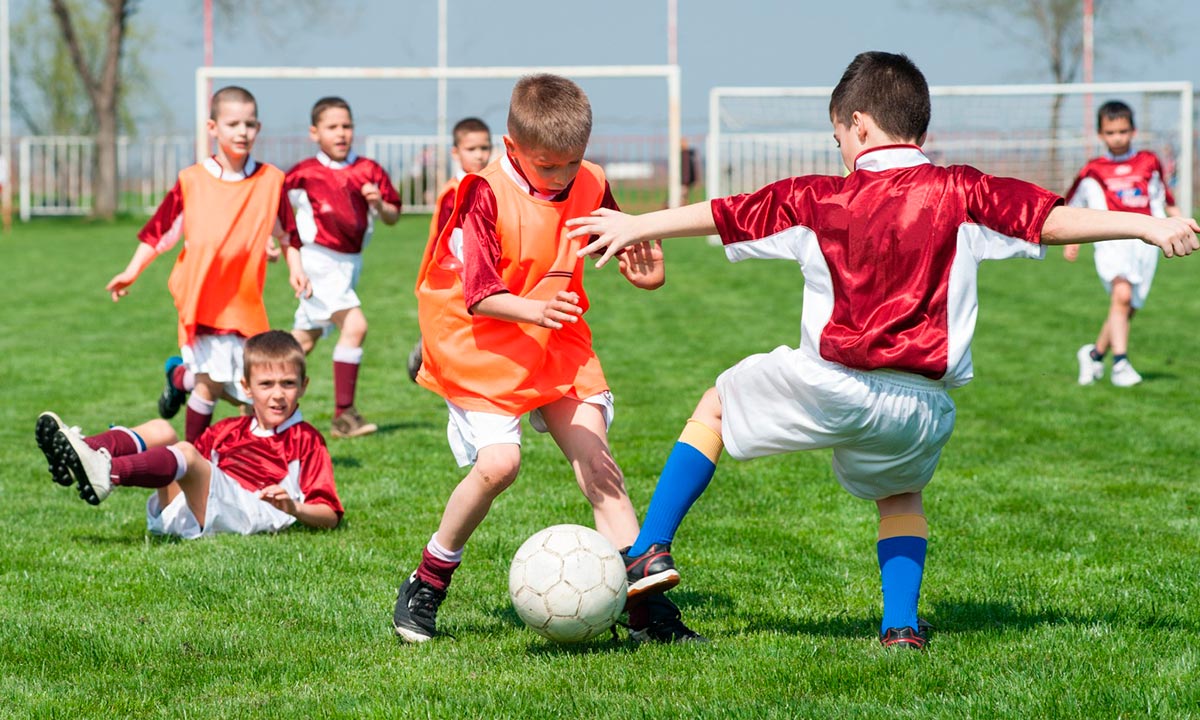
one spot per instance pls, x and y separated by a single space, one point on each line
549 112
230 93
273 347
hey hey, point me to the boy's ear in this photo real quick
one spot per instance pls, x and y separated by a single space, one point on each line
509 145
303 387
858 122
312 133
211 126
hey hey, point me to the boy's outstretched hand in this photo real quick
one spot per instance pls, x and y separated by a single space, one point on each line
118 287
642 264
1175 236
615 231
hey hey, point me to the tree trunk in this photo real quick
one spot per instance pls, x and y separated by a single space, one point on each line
105 181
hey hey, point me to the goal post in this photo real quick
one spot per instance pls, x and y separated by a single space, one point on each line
669 73
1041 133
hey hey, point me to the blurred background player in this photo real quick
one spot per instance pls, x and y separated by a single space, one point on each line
227 209
501 301
337 195
471 152
1130 181
245 475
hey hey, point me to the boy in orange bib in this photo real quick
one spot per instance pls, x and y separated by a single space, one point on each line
501 301
227 208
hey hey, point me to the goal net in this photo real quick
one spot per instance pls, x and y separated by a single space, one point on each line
1039 133
636 120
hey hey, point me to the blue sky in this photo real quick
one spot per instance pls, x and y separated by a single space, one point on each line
752 42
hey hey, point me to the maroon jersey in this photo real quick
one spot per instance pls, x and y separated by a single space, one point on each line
295 449
1131 182
163 230
330 208
889 254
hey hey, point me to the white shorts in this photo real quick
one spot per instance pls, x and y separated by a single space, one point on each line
1133 260
231 509
220 358
886 428
471 430
334 276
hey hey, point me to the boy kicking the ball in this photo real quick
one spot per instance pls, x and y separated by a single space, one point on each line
889 255
245 475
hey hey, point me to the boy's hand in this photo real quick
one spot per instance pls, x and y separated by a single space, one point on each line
300 283
370 191
563 308
1174 236
642 264
615 231
273 250
118 287
278 498
1070 252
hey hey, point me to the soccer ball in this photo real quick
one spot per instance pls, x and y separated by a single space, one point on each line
567 583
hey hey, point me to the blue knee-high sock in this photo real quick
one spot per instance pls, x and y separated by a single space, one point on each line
901 564
687 472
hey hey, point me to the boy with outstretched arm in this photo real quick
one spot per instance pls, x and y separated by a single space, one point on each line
227 209
889 255
501 303
245 475
337 195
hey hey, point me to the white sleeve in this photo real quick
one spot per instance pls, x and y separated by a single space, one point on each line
306 224
1088 194
1158 195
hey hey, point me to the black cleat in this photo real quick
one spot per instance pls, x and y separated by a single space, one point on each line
665 625
906 637
415 616
414 361
172 398
651 572
48 425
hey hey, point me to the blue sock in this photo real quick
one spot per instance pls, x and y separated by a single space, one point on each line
901 563
684 477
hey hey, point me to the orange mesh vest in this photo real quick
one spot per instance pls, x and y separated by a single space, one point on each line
218 278
481 363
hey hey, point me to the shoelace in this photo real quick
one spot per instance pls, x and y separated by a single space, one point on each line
425 602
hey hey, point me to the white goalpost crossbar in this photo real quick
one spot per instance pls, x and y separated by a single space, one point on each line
1184 188
670 73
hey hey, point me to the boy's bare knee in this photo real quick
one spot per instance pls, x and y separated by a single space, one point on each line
708 410
189 452
497 467
1122 293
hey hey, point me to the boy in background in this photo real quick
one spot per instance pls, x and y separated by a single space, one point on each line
889 255
501 301
337 195
248 474
1130 181
471 152
227 209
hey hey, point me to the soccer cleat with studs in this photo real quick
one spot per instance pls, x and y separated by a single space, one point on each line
415 617
665 624
906 637
651 572
92 469
414 361
172 398
49 425
351 425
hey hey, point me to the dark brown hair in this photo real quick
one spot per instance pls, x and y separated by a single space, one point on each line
888 87
469 125
1114 110
331 101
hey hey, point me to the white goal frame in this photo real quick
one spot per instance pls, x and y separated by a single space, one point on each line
1183 192
670 73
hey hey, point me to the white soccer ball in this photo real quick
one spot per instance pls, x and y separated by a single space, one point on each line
567 583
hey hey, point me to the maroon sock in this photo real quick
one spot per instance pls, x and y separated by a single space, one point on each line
345 378
434 571
116 441
195 425
154 468
177 378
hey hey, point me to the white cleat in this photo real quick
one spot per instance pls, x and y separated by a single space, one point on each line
1123 374
1089 370
92 468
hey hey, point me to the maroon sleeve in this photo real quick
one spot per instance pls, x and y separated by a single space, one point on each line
387 190
316 473
771 209
1009 206
481 244
445 210
287 217
609 202
162 230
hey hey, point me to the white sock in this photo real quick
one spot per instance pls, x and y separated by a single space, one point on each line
348 355
180 462
200 405
435 549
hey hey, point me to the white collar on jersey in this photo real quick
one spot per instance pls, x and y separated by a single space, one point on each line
510 170
256 431
1120 158
335 164
214 168
889 157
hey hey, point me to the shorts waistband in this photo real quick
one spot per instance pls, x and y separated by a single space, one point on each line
901 379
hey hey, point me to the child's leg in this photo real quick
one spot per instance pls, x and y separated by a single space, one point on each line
903 536
120 441
200 406
581 432
687 472
347 356
307 338
1115 333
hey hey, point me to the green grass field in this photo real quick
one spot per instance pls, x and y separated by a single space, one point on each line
1062 578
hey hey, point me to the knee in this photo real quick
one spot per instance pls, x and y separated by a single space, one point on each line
189 452
1122 293
708 411
496 470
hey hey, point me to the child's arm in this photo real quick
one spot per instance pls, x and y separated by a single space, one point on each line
642 265
1068 225
616 231
564 308
296 275
317 515
388 212
118 287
